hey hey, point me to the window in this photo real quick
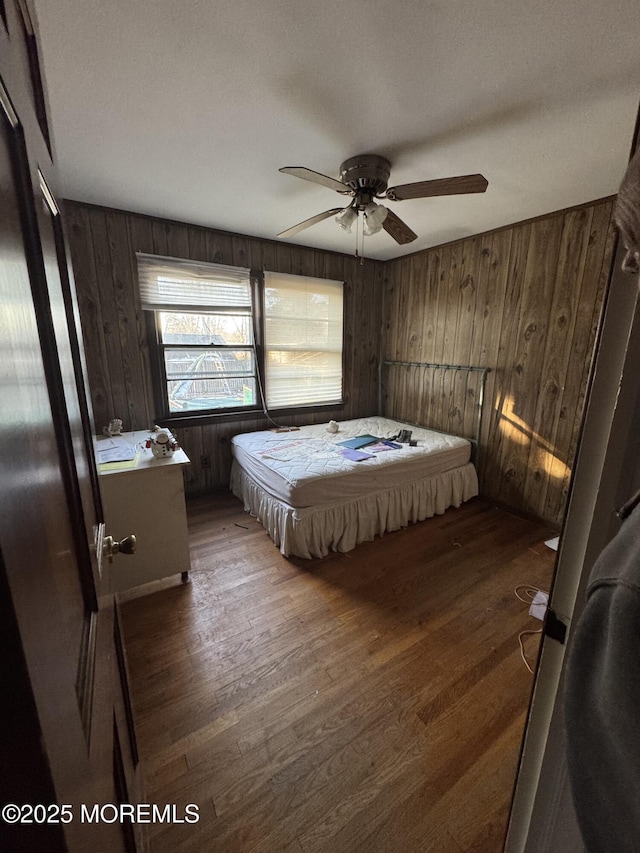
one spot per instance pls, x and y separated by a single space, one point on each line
204 326
213 355
303 340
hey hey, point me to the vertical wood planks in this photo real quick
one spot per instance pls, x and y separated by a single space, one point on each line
219 247
526 375
90 309
129 324
524 301
547 460
498 426
492 322
596 278
110 320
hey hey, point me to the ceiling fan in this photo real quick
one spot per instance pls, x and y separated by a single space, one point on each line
365 178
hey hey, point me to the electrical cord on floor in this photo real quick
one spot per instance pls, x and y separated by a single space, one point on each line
529 594
521 636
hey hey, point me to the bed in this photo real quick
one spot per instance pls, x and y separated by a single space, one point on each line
312 498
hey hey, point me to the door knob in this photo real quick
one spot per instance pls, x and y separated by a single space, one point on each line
111 546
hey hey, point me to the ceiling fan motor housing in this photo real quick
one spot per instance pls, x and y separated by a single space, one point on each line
366 173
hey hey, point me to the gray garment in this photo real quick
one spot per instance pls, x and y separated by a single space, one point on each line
602 700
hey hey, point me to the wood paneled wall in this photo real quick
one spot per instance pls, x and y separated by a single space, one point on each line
103 243
524 301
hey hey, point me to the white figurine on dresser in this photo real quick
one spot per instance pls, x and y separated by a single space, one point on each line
145 497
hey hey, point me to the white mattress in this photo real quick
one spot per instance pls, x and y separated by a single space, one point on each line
305 468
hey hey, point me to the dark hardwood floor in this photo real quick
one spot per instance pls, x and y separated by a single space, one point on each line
371 701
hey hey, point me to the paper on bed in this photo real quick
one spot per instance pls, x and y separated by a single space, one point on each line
385 444
354 455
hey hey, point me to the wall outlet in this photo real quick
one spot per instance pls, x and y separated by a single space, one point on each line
205 462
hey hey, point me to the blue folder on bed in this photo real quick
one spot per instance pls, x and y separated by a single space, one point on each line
359 441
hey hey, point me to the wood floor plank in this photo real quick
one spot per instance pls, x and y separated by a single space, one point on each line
360 702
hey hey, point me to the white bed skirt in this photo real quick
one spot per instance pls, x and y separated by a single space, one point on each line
341 525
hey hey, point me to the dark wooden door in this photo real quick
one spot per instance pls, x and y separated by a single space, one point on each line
68 736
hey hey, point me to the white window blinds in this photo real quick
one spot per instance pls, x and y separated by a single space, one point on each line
303 340
170 284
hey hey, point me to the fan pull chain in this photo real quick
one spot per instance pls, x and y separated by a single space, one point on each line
360 230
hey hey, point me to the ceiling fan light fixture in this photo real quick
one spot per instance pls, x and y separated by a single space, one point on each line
346 218
365 177
374 216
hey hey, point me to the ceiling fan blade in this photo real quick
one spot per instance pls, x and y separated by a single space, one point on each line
315 178
308 222
441 186
398 229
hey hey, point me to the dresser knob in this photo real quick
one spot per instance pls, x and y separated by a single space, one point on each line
111 546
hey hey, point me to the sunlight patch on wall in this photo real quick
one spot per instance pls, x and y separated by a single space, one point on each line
519 432
553 466
513 427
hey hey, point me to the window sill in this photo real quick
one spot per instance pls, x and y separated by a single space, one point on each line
191 420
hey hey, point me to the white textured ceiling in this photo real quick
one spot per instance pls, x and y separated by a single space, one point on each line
187 108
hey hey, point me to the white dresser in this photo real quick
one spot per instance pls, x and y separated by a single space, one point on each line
146 497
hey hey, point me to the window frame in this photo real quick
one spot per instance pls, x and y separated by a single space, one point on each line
163 347
236 413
